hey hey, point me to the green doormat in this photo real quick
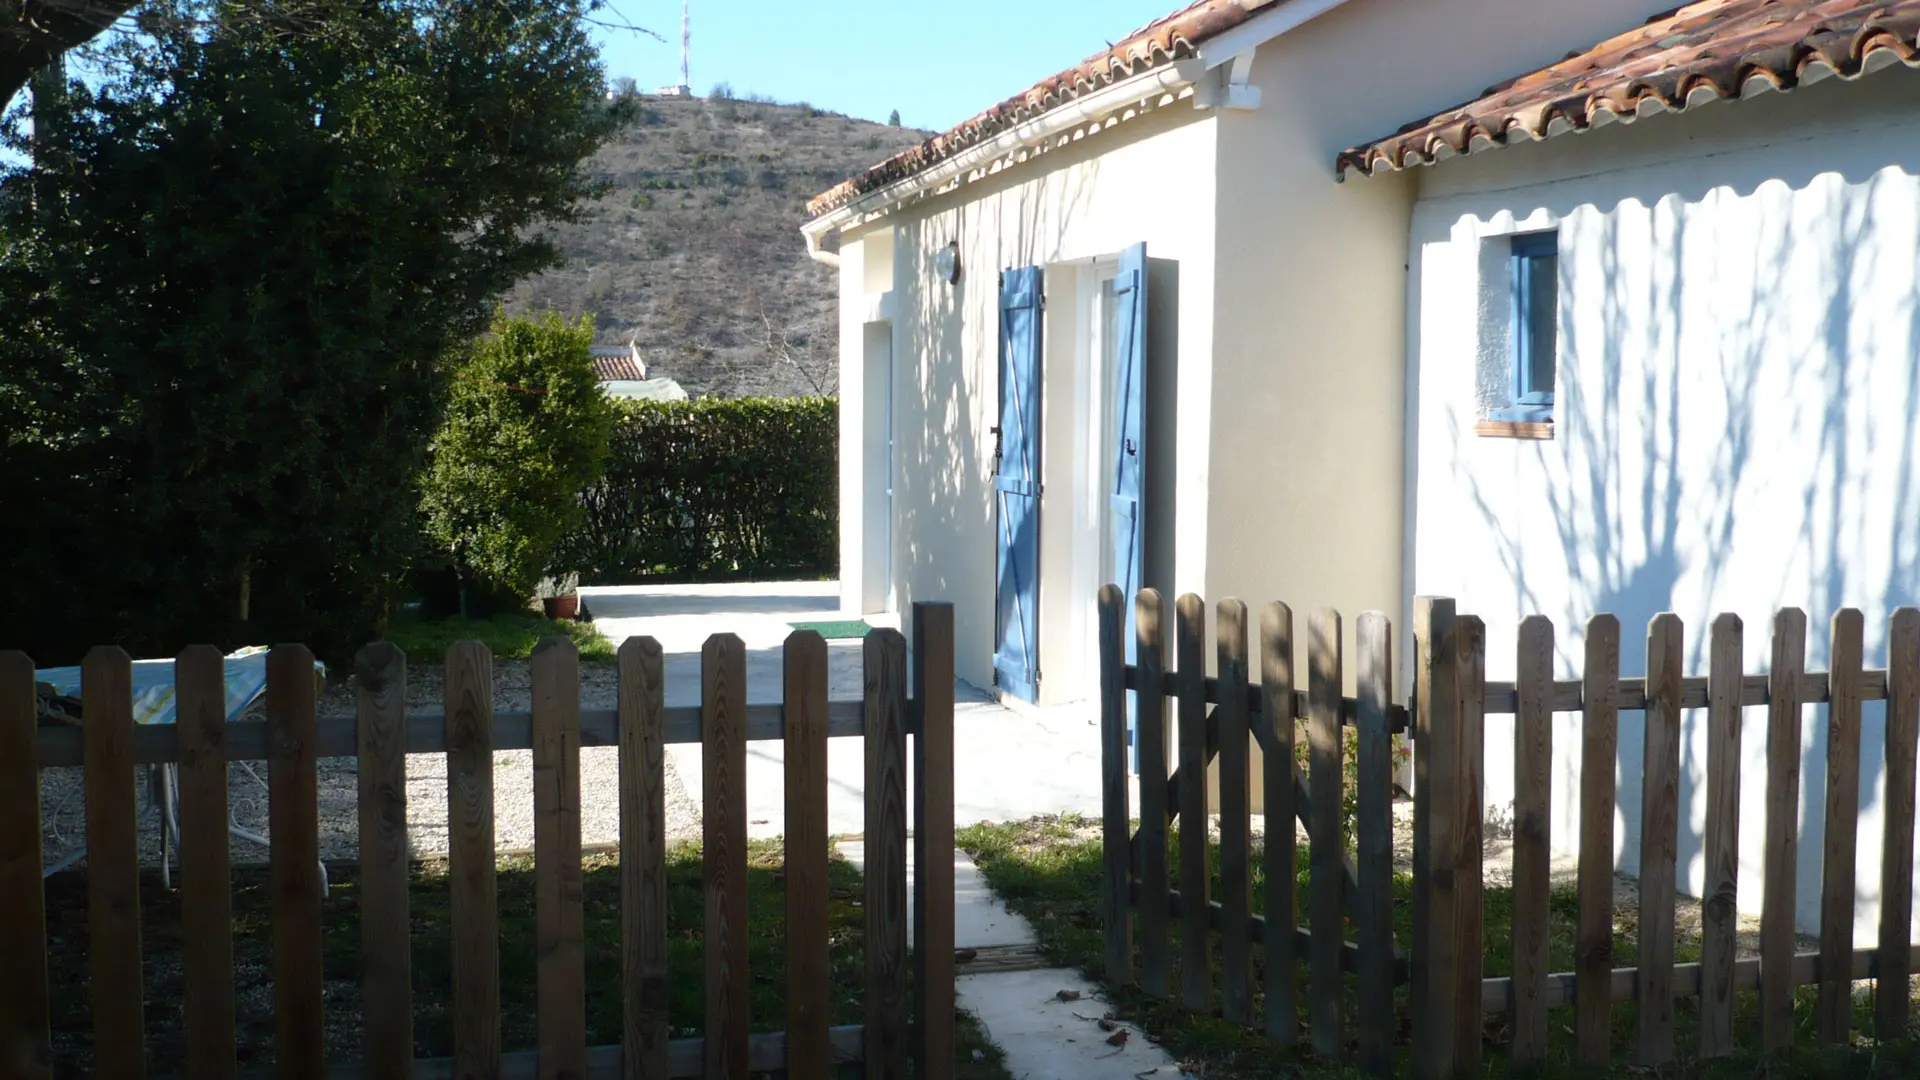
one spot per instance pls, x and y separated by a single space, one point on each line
836 629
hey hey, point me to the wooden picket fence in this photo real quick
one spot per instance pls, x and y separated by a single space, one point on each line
109 746
1448 995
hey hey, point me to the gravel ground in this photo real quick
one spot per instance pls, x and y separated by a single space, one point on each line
64 816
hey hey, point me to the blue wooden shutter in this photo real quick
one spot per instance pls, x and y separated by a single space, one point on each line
1016 482
1129 433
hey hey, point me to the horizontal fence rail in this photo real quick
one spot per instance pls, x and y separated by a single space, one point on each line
901 699
1166 694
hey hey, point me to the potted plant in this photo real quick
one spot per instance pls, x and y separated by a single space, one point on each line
560 596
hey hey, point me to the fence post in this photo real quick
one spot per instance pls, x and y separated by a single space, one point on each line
1659 840
1328 878
1593 943
1435 779
1116 843
933 901
26 1041
206 886
723 851
473 900
1719 910
1469 808
1236 761
1892 991
1532 811
1783 828
1835 1008
113 864
1373 917
886 849
1196 966
804 695
1150 654
386 966
643 862
560 974
1277 767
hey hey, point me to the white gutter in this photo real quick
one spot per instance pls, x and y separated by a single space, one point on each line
1094 106
1257 31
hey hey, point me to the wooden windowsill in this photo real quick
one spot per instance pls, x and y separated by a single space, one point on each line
1514 429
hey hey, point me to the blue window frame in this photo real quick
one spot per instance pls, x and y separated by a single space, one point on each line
1535 287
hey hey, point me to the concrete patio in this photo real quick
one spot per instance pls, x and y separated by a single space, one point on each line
1007 764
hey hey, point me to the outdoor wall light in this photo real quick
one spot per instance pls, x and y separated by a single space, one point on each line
946 263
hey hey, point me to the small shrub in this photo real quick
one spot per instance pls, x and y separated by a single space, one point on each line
526 429
893 118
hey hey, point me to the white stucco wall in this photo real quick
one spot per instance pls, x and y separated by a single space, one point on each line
1149 179
1735 416
1308 407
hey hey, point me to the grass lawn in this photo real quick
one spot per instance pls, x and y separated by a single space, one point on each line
509 637
1049 871
977 1059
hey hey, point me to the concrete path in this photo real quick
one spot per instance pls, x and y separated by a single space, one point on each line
1007 765
1048 1020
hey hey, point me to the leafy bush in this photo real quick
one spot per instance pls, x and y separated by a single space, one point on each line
526 430
714 489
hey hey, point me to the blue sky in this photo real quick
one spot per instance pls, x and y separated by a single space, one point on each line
938 63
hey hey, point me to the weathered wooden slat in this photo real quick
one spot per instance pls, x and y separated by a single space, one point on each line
1835 1003
886 850
1150 718
560 973
26 1043
386 949
1277 769
1659 840
1719 911
1532 848
113 864
206 887
643 862
804 664
723 853
1327 881
1783 832
1195 956
1815 687
1116 827
765 1054
1236 763
1373 902
426 733
293 817
1436 782
1804 969
1593 941
1893 993
933 902
473 901
1469 853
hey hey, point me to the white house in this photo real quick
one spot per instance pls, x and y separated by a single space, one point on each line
1675 366
1667 366
1001 325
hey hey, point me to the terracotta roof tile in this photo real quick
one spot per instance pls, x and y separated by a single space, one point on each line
1715 47
1161 42
614 368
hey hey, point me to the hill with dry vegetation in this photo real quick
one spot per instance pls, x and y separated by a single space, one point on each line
695 252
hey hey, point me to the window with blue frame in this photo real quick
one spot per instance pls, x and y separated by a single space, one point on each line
1535 288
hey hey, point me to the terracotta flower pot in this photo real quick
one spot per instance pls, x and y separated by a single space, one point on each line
561 607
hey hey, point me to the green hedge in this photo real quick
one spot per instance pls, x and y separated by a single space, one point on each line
714 489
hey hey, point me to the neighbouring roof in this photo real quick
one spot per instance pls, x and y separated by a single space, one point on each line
619 366
1712 50
1159 43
